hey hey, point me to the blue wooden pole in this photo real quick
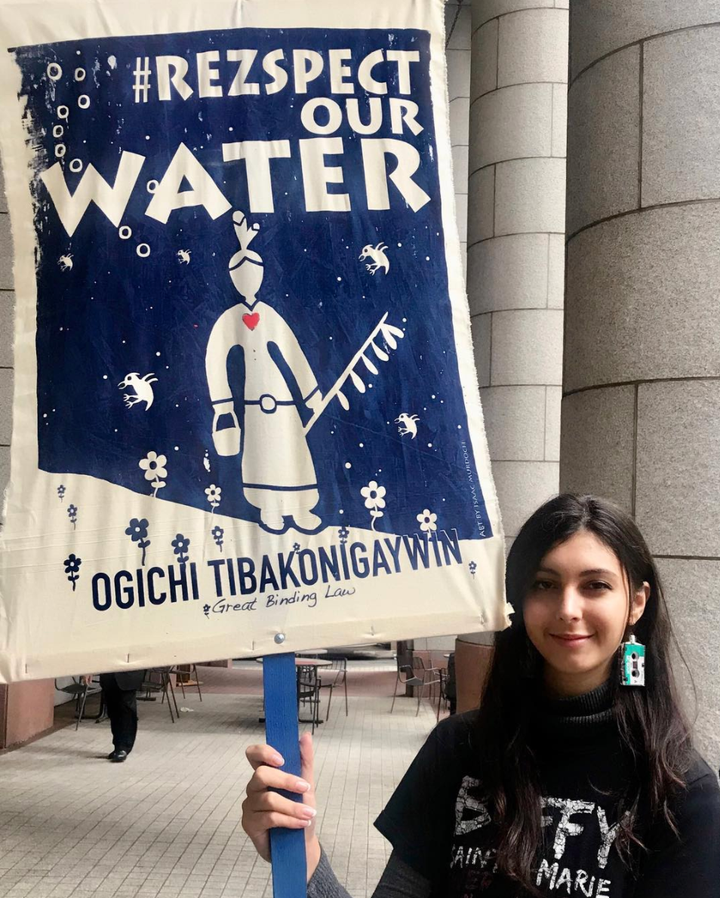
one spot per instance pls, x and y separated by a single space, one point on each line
287 846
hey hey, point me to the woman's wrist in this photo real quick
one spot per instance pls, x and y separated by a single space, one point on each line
312 852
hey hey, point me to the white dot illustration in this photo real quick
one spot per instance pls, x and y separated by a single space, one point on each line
63 112
348 465
124 232
54 71
80 74
143 250
157 354
361 445
76 165
83 101
152 186
58 130
60 150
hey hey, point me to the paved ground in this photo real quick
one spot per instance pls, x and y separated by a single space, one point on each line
166 824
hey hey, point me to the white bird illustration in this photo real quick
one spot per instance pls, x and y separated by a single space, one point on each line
141 385
408 424
377 254
65 262
184 256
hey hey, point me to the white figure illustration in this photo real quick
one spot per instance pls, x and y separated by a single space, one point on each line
408 424
378 257
183 256
65 262
278 473
141 385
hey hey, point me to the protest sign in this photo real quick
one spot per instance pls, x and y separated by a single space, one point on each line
246 415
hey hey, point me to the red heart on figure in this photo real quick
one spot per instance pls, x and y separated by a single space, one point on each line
251 321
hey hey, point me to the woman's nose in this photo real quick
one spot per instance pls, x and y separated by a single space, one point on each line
569 607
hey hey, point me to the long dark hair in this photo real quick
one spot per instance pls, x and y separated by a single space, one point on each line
650 722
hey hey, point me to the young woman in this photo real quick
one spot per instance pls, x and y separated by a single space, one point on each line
565 781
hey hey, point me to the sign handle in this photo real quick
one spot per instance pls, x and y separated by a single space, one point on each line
287 846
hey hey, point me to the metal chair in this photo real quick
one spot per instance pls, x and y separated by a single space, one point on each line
405 669
78 690
338 667
430 677
157 680
308 692
187 675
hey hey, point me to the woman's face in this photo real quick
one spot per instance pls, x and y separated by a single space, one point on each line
576 613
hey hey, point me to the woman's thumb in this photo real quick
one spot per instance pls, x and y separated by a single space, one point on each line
307 757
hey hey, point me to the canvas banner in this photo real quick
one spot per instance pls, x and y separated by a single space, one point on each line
246 417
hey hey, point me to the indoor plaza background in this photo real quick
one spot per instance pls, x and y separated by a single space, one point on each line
593 286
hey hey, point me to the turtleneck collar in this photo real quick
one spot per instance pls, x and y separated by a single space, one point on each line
581 706
578 718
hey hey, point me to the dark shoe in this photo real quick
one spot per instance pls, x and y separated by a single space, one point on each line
118 756
111 755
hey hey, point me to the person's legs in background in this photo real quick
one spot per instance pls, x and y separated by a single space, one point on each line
121 707
128 719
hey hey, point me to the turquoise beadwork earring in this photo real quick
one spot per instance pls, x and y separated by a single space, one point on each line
632 663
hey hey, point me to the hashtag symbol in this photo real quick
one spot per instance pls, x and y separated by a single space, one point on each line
141 85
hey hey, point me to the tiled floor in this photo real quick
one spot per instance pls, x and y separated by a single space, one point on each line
166 824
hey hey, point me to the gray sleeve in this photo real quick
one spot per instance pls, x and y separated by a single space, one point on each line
398 881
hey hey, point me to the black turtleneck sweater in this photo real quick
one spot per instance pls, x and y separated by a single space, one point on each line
443 836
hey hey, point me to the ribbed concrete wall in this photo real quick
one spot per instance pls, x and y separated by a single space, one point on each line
642 345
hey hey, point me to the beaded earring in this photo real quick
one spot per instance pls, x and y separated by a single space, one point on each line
632 663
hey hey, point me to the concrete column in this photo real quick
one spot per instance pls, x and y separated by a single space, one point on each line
641 389
516 224
457 31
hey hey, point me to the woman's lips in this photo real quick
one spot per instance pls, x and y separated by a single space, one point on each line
570 640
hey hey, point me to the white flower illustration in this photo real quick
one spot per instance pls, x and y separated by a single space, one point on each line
154 467
427 521
214 495
374 497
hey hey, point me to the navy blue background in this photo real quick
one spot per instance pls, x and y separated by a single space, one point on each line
114 312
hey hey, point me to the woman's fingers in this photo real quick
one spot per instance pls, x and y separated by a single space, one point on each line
261 812
269 778
274 802
265 808
258 755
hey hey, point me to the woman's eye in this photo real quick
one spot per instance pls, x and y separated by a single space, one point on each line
543 584
599 585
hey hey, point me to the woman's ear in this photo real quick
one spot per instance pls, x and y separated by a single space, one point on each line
638 603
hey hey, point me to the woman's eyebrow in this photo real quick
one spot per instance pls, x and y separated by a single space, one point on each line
596 571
